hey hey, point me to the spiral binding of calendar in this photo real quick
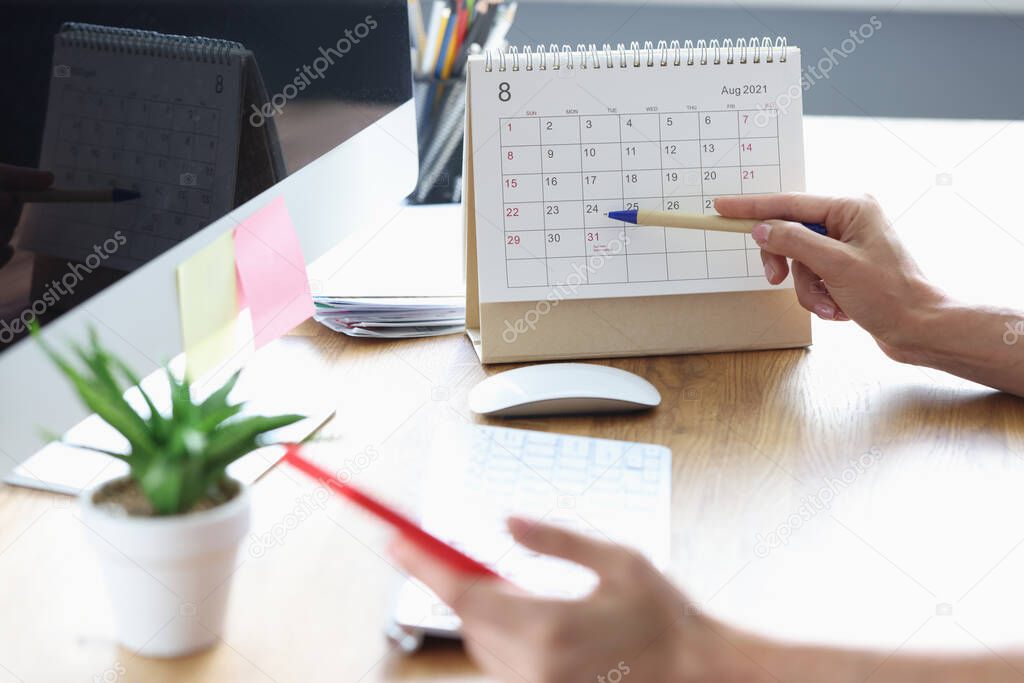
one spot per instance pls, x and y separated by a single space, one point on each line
664 54
148 43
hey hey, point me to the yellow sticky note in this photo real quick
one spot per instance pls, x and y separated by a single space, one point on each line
208 304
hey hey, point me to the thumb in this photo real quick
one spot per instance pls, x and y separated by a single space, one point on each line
569 545
824 255
449 585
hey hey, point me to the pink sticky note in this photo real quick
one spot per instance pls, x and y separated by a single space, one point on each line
272 272
240 291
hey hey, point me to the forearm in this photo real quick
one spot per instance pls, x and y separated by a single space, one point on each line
982 344
751 659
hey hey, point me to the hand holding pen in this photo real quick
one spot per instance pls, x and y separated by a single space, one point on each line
20 185
15 179
859 271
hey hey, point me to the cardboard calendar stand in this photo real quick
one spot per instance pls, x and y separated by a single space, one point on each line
519 331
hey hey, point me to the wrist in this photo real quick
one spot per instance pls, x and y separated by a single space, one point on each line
918 333
709 650
972 342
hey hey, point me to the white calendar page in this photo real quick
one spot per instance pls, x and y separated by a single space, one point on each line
555 149
166 127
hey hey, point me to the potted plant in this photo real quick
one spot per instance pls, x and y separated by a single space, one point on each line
168 533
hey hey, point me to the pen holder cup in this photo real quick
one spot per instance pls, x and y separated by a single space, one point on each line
440 127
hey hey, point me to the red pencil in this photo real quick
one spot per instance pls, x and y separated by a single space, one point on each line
412 531
462 25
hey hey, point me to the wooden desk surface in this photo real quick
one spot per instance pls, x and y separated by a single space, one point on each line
921 548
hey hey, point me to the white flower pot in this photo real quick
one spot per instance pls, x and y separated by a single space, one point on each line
168 577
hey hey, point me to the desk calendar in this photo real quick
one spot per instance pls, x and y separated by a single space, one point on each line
559 137
148 112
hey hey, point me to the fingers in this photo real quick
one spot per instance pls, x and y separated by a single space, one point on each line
476 599
790 206
824 255
813 295
16 178
19 178
552 540
776 267
451 586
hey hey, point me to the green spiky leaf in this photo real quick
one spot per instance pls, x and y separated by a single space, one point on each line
178 458
233 440
219 398
157 422
95 449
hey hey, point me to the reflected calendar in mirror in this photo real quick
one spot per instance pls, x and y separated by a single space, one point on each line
157 114
561 136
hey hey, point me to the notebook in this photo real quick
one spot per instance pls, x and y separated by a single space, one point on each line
558 137
163 115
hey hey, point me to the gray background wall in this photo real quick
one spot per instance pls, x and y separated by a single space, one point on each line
919 64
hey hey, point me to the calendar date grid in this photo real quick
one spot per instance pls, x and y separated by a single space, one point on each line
90 99
211 145
145 202
164 149
561 174
168 130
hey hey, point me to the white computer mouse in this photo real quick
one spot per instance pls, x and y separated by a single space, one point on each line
562 389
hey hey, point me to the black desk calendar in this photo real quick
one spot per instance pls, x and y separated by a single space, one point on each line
160 114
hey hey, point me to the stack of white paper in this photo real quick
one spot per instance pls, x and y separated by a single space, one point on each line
392 317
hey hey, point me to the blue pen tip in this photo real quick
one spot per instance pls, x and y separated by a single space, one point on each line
119 195
625 216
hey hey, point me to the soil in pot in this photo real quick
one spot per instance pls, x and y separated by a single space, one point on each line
124 497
